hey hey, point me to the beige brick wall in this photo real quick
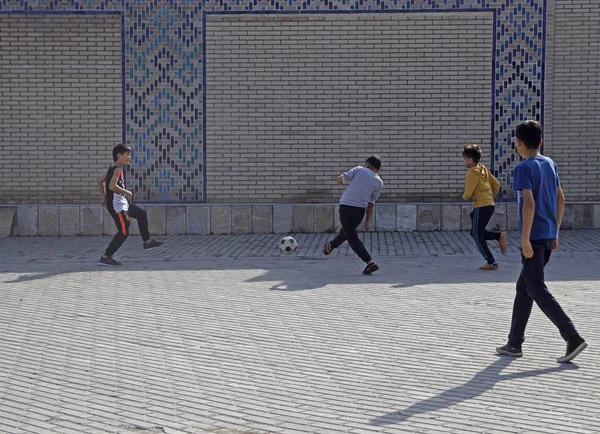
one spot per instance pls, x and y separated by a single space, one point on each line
575 110
294 100
60 105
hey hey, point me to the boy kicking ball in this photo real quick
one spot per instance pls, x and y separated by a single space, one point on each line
117 201
358 199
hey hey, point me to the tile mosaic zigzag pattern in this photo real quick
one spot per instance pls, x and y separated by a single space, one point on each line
163 69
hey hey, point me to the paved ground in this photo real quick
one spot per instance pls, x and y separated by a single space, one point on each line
224 334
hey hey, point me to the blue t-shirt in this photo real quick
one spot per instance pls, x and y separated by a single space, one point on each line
540 175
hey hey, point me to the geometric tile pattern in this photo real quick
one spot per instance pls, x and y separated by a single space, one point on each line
163 75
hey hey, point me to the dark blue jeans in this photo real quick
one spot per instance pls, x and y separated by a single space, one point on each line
480 217
531 287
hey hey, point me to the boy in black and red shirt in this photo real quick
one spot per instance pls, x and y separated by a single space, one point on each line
117 201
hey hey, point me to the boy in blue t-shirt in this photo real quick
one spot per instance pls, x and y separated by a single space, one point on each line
541 209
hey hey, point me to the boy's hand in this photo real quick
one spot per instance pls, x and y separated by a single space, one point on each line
527 249
555 245
104 203
367 225
128 195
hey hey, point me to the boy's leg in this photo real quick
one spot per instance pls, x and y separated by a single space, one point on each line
142 218
521 312
492 235
122 222
497 236
344 213
480 218
538 291
350 222
338 240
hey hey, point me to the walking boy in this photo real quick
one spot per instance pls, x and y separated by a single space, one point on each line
117 201
364 189
481 185
541 206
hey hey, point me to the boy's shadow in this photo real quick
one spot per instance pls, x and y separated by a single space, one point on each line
479 384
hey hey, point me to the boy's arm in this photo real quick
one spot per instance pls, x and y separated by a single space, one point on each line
495 185
471 182
560 212
114 187
371 206
528 213
346 177
560 207
101 181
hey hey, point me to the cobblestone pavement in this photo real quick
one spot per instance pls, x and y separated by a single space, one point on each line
224 334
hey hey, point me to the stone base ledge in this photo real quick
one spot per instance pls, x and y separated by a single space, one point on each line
74 220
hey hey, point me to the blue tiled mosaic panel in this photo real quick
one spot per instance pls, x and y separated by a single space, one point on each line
163 76
163 70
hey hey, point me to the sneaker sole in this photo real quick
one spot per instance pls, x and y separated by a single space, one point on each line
152 248
370 272
574 354
506 353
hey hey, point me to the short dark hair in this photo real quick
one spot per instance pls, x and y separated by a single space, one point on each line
375 161
472 151
530 133
120 149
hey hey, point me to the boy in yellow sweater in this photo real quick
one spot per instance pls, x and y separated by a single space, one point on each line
481 185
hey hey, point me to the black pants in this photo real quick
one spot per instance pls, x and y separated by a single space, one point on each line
480 217
122 221
530 288
350 218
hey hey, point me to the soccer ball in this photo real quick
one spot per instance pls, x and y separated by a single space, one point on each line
288 245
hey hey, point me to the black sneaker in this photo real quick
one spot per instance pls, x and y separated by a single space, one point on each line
370 268
509 350
327 249
105 260
575 345
151 244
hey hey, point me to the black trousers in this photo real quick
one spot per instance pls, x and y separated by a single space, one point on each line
350 218
531 287
480 217
122 221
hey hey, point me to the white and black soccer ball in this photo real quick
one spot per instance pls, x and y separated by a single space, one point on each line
288 245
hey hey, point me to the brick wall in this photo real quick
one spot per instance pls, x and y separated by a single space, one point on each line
575 106
61 105
294 100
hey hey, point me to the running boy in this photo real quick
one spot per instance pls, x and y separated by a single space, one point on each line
541 206
364 189
117 201
481 185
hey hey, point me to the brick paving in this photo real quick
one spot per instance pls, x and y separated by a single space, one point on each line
224 334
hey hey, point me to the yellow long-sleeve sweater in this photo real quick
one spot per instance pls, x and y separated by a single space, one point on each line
481 185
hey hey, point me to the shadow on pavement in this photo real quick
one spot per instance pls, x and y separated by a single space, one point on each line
299 273
479 384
